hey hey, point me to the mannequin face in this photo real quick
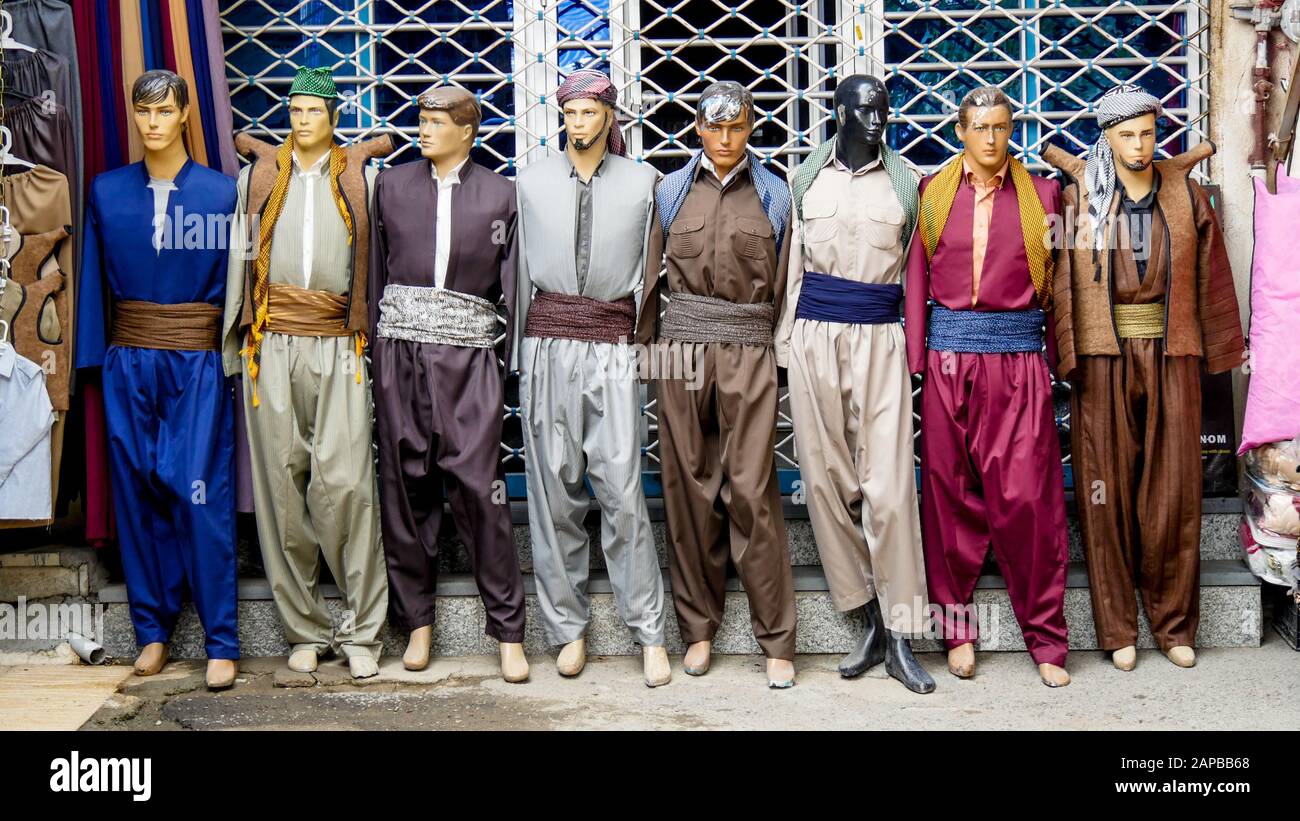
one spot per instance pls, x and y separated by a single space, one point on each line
986 136
586 122
862 110
160 124
725 142
1133 142
440 137
313 127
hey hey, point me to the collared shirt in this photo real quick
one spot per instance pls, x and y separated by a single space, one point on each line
984 195
852 228
25 489
582 224
161 191
442 228
309 178
1138 219
731 175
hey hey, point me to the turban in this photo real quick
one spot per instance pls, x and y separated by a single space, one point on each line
589 84
1121 103
318 82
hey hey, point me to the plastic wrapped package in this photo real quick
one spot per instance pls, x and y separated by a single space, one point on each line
1277 464
1270 558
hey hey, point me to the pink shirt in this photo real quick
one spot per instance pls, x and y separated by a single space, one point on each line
984 194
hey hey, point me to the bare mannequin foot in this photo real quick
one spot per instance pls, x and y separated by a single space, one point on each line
304 660
151 659
1125 658
1182 655
961 660
572 658
780 674
514 666
697 658
221 673
416 656
1053 676
655 663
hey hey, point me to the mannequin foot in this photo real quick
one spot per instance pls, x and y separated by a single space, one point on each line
514 666
303 661
572 658
697 658
151 659
1182 655
1125 658
871 649
416 656
221 673
1053 676
657 669
961 661
903 666
363 666
780 674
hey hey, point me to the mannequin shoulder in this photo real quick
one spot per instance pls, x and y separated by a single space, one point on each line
640 174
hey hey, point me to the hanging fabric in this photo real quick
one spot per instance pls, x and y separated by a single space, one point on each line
26 493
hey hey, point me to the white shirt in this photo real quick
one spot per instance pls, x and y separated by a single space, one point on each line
442 231
731 175
309 178
161 191
25 490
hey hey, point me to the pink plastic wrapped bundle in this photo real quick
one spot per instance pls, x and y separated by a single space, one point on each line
1268 557
1273 401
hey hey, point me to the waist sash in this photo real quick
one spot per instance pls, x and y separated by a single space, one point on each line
569 316
825 298
695 318
985 331
184 326
1146 321
298 311
438 316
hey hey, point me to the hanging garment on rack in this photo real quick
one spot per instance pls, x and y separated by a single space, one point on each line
132 49
38 202
48 25
42 133
31 73
25 486
35 305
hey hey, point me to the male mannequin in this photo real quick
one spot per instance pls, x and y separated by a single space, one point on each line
850 393
990 458
1144 295
725 221
299 304
438 387
578 385
168 407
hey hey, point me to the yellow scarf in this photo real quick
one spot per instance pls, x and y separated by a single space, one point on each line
937 200
262 265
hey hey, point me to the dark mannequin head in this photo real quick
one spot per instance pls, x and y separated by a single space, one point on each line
862 109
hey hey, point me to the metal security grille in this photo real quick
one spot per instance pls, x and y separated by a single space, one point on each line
1052 56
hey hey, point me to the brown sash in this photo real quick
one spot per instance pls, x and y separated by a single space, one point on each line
298 311
567 316
185 326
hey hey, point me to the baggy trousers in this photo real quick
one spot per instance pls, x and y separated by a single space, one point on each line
717 436
170 416
439 411
991 475
581 411
1135 423
851 399
314 490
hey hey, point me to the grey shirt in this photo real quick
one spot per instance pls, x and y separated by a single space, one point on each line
582 236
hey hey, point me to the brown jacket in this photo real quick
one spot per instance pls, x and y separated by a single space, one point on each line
352 184
1201 314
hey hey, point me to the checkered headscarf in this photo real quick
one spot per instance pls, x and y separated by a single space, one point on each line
1123 102
589 84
